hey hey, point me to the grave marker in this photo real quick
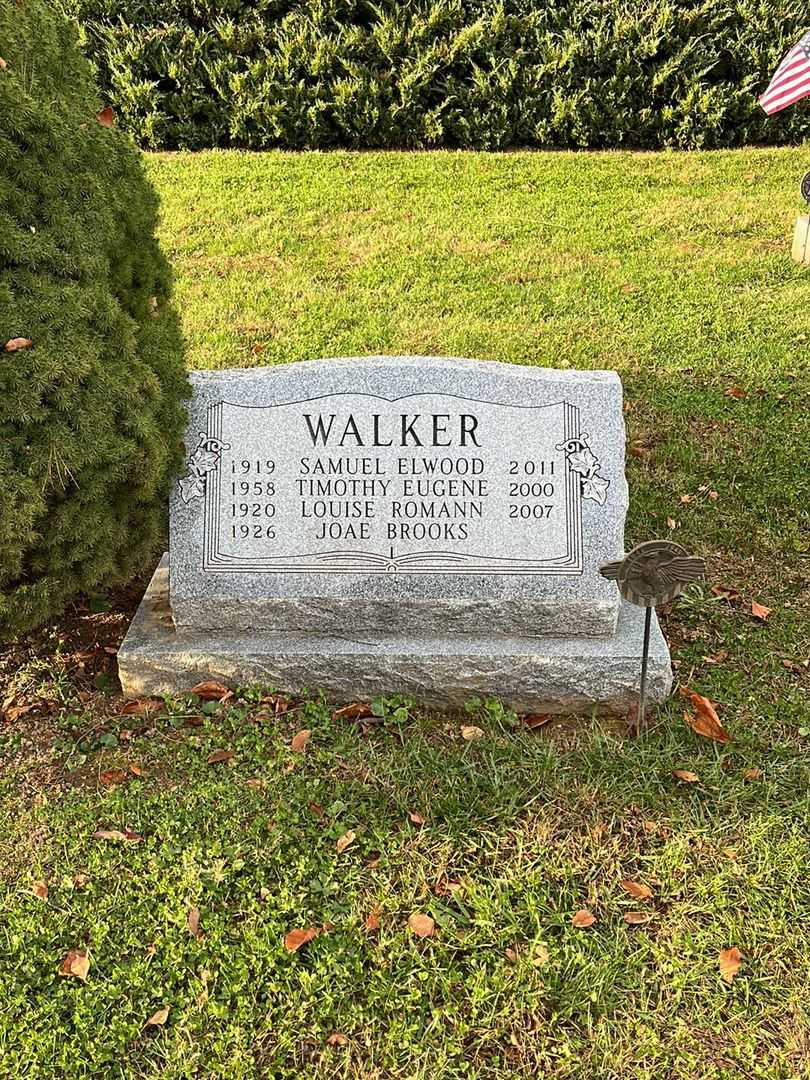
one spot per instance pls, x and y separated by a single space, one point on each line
421 525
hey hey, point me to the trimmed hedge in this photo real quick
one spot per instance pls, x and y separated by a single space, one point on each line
90 397
454 73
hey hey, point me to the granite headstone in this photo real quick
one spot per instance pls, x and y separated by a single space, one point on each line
426 525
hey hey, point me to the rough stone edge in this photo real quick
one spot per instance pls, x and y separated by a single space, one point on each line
529 675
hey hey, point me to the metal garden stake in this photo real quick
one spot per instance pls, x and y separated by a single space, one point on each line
653 573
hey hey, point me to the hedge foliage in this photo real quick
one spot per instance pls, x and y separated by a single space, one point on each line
90 397
455 73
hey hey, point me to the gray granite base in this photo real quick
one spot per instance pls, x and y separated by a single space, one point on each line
529 674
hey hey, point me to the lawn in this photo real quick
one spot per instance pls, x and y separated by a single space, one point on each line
672 269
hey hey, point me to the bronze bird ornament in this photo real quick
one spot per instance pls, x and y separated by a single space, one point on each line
654 572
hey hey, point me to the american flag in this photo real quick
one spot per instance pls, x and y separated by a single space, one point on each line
791 80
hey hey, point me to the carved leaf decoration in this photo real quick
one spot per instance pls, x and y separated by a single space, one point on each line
595 487
203 461
191 487
582 461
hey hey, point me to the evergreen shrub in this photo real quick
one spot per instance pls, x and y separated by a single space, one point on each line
485 74
91 371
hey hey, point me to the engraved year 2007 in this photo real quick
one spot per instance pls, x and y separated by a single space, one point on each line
251 516
531 490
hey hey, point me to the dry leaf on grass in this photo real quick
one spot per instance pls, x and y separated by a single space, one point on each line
726 592
536 720
216 756
357 710
40 889
211 691
583 918
317 810
110 777
735 392
471 732
3 64
702 724
344 841
140 706
636 918
685 775
17 343
753 773
159 1018
372 922
337 1038
730 960
706 722
300 740
417 819
637 889
116 834
296 938
760 612
106 117
193 923
421 925
76 963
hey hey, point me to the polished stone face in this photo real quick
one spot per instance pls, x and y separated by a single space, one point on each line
400 494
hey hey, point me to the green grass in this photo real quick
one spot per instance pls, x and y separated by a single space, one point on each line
673 269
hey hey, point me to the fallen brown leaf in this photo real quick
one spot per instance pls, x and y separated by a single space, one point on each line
637 889
421 925
112 776
636 918
317 810
159 1018
707 722
639 451
685 775
14 712
735 392
140 706
193 923
17 343
116 834
135 769
296 938
470 732
216 756
730 960
672 523
3 64
337 1038
760 612
702 724
80 880
106 117
753 774
76 963
417 819
357 710
726 592
344 841
255 782
211 691
582 919
511 955
40 889
300 740
536 720
372 922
